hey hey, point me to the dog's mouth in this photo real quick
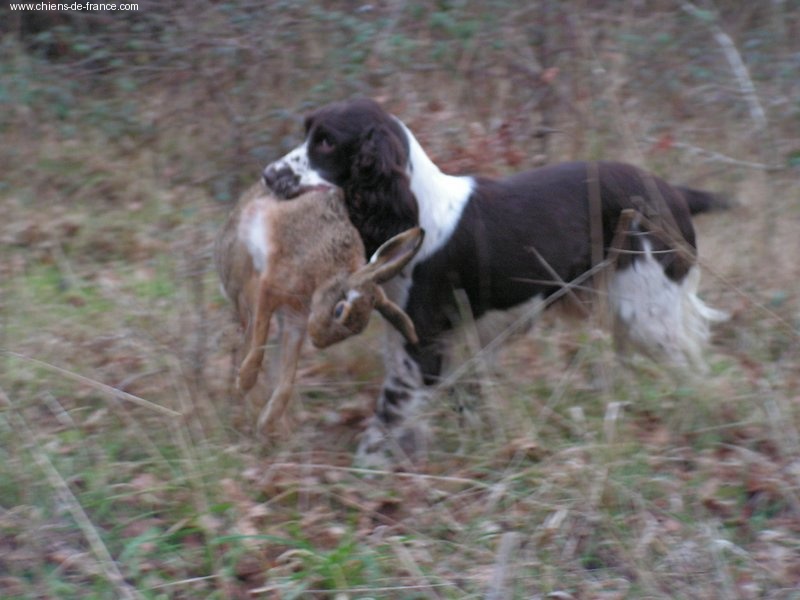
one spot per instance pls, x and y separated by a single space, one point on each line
285 188
319 187
290 192
286 185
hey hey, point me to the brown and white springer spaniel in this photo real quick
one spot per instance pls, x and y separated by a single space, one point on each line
501 244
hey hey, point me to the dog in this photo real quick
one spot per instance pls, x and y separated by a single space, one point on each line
500 246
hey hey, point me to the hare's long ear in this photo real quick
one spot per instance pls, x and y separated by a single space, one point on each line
392 256
396 316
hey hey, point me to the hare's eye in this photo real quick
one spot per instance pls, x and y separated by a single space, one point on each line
338 310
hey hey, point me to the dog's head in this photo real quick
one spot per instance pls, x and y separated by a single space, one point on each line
357 146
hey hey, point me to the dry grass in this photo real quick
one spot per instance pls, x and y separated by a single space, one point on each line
127 467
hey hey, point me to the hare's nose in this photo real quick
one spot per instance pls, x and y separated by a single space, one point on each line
281 180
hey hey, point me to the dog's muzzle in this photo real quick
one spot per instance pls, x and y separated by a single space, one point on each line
284 182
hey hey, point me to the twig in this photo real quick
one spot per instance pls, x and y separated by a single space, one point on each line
768 149
365 471
498 586
740 71
558 281
112 391
410 565
713 156
534 311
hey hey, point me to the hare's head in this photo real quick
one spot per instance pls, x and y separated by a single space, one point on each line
342 306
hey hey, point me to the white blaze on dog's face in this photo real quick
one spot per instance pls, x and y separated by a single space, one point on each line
292 175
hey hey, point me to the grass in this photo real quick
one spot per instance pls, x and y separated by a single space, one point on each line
624 496
128 469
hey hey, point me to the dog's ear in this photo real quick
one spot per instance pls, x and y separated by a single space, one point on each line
380 201
380 156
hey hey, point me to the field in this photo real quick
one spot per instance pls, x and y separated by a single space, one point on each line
128 466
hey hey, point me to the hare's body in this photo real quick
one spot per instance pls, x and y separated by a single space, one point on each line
269 239
304 258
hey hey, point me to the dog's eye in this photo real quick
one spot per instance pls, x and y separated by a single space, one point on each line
325 144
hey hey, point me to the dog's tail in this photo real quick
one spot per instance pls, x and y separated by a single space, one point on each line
700 201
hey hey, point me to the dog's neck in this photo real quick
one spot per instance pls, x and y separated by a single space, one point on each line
441 198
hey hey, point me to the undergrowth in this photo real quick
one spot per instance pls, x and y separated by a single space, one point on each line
129 469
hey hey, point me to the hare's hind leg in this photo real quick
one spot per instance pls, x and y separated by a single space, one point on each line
293 335
251 365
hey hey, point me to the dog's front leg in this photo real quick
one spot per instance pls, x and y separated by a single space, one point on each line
398 431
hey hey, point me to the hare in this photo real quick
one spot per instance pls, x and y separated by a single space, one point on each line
304 258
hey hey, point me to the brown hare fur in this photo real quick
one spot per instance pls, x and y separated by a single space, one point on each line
304 259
